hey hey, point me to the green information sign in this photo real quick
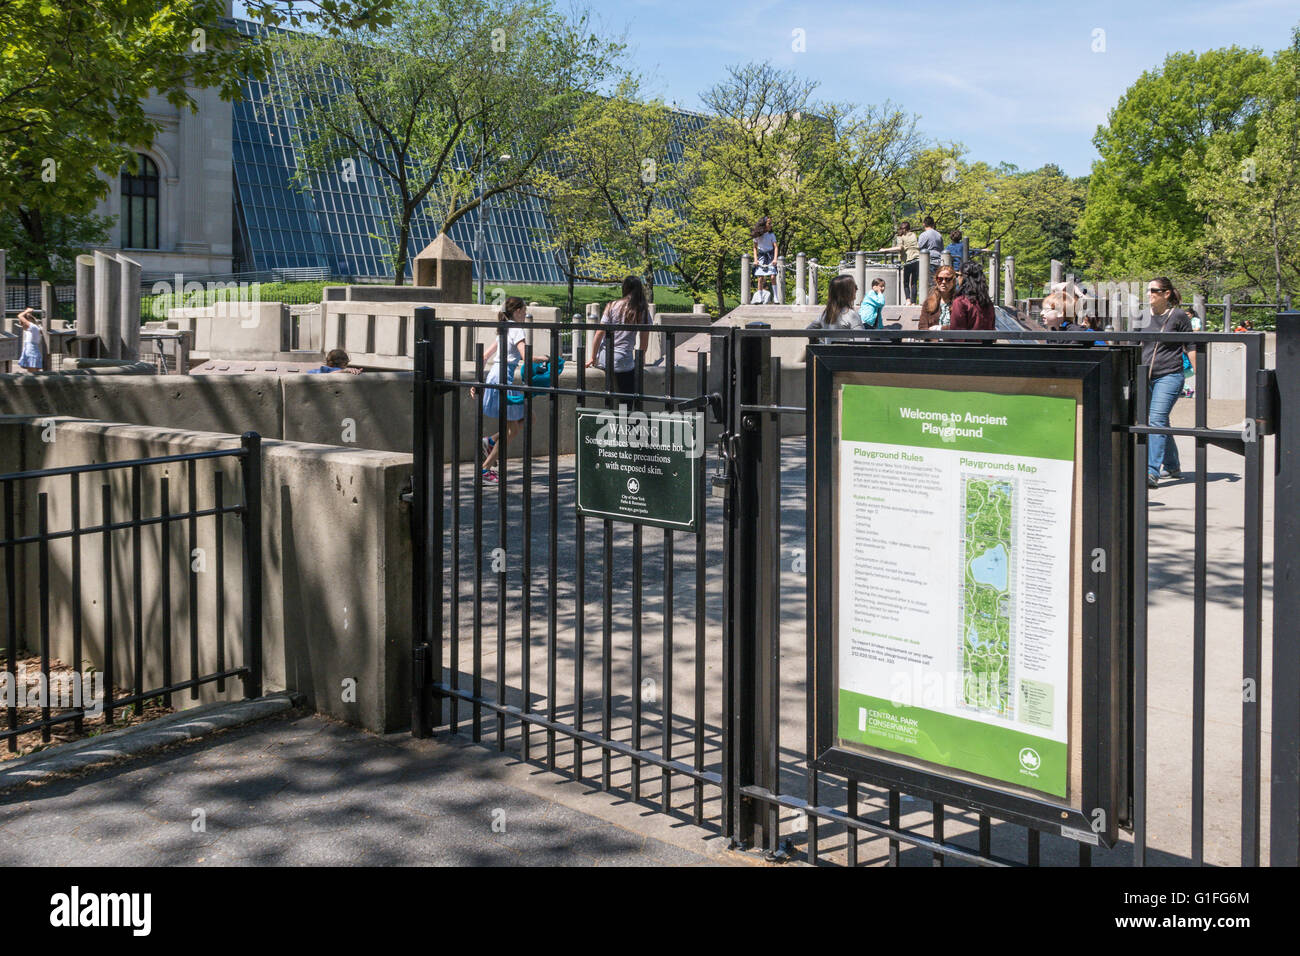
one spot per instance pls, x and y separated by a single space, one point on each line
640 467
955 515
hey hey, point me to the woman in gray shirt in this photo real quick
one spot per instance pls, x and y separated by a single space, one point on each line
839 313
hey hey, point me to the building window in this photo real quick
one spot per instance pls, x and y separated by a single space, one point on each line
140 205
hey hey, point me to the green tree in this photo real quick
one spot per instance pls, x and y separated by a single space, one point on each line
1032 213
74 76
453 103
873 148
46 246
1252 197
609 178
929 185
1139 218
714 233
570 238
773 144
330 16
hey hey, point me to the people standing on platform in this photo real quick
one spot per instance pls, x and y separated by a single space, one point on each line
631 309
972 306
766 251
32 357
936 310
906 246
1165 363
931 242
513 312
954 248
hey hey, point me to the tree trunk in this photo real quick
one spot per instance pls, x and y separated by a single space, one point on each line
648 268
569 314
399 261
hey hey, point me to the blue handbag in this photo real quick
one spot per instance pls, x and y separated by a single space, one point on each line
544 374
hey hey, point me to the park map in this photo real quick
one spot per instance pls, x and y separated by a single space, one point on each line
986 651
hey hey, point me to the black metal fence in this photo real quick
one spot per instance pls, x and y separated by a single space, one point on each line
176 527
738 757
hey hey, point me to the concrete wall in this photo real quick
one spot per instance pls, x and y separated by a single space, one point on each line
213 403
236 330
336 561
372 410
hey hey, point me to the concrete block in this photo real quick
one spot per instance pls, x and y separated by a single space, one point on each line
213 403
129 310
336 559
371 410
237 330
358 333
107 305
1227 377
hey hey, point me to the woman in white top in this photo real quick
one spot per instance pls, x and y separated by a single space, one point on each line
32 358
514 311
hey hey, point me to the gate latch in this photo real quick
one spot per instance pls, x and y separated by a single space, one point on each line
721 479
1266 401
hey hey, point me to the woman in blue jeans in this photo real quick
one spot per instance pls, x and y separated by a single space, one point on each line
1164 361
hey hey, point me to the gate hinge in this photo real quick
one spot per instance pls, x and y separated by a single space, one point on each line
1266 401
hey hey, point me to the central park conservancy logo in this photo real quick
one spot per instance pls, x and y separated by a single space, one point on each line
1030 760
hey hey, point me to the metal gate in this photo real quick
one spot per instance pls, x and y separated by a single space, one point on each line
616 653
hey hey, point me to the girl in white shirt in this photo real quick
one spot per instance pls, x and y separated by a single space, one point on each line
514 311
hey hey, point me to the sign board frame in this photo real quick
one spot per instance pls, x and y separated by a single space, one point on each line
1099 744
588 508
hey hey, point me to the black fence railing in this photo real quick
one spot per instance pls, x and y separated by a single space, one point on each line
171 534
719 625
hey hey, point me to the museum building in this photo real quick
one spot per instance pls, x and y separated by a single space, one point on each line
214 195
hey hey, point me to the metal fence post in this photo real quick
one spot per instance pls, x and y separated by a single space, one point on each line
1284 827
744 279
426 509
251 467
743 588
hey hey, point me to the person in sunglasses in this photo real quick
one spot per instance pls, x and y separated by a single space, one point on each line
1164 361
936 310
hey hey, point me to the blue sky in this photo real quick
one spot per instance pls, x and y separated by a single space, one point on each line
1015 81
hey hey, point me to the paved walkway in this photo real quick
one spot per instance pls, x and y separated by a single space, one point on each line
299 789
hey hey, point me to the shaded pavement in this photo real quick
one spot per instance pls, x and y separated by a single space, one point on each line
302 790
